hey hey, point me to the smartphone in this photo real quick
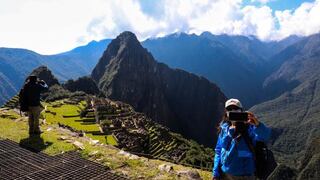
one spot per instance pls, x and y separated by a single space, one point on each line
238 116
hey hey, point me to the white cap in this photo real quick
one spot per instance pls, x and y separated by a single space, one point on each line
234 102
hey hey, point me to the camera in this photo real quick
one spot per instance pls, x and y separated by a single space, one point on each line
238 116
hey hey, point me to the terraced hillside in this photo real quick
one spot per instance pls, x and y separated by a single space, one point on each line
137 133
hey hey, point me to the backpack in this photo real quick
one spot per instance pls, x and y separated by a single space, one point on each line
264 159
23 100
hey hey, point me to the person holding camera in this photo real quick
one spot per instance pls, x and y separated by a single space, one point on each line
31 93
234 152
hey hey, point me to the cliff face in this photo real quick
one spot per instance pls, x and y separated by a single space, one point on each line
184 102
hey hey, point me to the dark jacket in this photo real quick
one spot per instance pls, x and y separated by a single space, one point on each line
33 91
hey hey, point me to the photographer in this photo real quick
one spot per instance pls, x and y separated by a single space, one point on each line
238 133
31 92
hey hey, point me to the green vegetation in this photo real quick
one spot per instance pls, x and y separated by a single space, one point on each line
69 115
56 92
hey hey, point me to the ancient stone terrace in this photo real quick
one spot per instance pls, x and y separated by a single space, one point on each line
134 131
137 133
13 102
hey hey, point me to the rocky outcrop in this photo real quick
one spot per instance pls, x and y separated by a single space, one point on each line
85 84
45 74
182 101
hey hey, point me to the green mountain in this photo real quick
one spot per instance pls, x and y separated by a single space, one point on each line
294 115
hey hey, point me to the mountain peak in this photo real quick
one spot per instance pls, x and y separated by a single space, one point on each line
126 38
126 41
125 48
126 35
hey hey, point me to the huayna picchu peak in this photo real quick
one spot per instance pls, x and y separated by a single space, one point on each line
174 98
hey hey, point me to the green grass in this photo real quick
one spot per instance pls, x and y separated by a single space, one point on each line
18 132
111 140
74 122
69 115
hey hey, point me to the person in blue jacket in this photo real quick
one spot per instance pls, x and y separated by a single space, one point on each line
234 158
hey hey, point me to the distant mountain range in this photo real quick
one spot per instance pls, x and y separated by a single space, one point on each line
237 64
16 64
229 61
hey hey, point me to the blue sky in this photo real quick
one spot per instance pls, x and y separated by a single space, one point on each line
278 4
53 26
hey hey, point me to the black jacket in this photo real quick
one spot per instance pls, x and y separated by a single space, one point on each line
33 91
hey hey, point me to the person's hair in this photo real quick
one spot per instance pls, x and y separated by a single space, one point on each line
224 119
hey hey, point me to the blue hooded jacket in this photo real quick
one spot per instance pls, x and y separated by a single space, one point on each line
234 157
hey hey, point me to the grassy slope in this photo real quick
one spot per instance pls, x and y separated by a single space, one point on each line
13 127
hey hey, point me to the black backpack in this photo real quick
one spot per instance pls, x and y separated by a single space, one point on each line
23 100
264 159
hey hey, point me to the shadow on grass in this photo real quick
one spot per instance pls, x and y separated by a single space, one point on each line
34 143
85 120
96 133
88 123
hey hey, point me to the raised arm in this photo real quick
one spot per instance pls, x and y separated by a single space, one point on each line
260 131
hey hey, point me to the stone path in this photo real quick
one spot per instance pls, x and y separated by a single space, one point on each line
22 164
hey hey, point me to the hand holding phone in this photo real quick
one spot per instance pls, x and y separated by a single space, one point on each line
238 116
252 119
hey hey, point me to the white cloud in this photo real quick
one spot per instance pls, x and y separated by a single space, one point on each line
47 26
304 20
257 21
191 16
52 26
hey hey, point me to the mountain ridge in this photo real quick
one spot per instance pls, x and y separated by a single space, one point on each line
294 115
